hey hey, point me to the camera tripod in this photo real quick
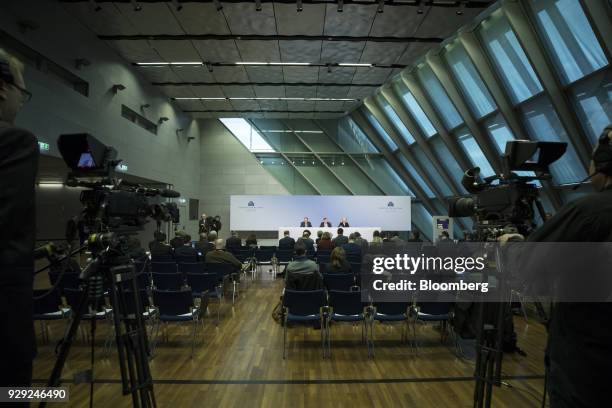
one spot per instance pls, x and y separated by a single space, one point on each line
113 271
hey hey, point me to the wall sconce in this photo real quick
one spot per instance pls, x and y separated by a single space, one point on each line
162 120
118 87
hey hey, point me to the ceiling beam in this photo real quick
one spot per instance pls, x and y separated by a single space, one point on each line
340 112
424 3
321 84
272 37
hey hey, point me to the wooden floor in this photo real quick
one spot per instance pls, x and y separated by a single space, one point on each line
240 364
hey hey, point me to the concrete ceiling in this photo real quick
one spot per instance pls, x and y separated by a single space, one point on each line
320 34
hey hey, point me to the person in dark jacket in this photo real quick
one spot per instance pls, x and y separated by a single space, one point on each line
286 242
233 242
344 223
302 273
251 241
340 238
306 223
352 249
325 223
159 248
186 253
338 262
307 241
18 168
220 255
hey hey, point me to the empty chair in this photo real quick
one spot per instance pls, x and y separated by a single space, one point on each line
191 267
48 307
388 312
148 312
224 273
177 307
346 306
303 307
264 255
339 281
206 285
163 267
431 312
168 281
74 297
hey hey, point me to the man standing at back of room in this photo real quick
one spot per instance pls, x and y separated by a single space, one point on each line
18 168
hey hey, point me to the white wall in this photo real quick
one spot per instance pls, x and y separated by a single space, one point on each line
228 168
56 108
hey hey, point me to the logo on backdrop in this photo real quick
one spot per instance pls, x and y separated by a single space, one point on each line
251 204
390 204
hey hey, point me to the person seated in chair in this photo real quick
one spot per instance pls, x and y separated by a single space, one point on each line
344 223
178 239
234 242
186 251
302 273
220 255
306 223
325 223
305 238
352 249
340 238
338 262
159 248
325 243
286 242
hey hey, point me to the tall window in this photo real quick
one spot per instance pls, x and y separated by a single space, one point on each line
415 174
449 162
439 98
474 152
417 112
432 172
509 58
246 134
380 130
569 38
593 99
397 122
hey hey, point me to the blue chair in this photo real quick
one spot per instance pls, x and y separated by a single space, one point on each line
191 267
143 280
73 299
284 256
432 312
168 281
304 307
323 258
388 312
346 306
148 312
264 255
339 281
206 286
225 273
163 267
48 306
187 258
162 258
177 307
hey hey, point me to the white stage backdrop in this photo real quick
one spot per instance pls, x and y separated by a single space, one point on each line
268 213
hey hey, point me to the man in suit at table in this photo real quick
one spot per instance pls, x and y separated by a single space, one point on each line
343 223
325 223
286 242
306 223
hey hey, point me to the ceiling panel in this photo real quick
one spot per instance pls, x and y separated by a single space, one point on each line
332 91
301 105
442 22
258 51
360 92
301 74
273 105
201 18
154 18
349 106
329 105
108 21
243 19
193 74
413 52
355 20
175 50
203 115
307 22
230 74
159 74
398 21
182 91
238 91
341 51
220 105
265 74
382 53
135 50
301 115
269 91
245 105
339 75
325 115
371 75
190 105
217 50
301 91
300 51
208 91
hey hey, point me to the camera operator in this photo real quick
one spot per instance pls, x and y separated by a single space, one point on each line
18 168
579 351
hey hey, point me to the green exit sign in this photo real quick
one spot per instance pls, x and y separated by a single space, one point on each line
43 147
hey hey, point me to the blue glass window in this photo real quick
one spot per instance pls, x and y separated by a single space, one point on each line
415 174
246 134
422 219
569 38
433 173
439 98
449 162
350 136
463 69
397 122
509 58
471 148
385 136
593 100
417 112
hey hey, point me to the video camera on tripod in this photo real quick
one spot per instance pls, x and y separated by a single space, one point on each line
508 205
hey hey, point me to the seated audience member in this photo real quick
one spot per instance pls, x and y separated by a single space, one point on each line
415 236
306 223
177 241
186 251
319 235
202 245
286 242
135 250
338 262
396 238
340 239
444 236
376 238
159 246
325 243
251 241
302 273
344 223
352 250
220 255
361 241
233 242
305 238
325 223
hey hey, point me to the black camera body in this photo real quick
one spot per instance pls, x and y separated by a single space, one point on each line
508 205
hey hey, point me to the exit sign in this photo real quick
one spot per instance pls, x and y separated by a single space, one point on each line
43 147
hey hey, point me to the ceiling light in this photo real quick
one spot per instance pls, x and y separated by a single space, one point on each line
51 184
299 6
257 5
459 12
354 64
340 5
420 11
192 98
381 5
137 7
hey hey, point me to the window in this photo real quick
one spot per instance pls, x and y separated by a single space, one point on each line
439 98
471 148
422 219
471 85
509 58
384 175
397 122
417 113
246 134
379 129
433 173
348 135
592 98
138 119
449 162
415 175
569 38
543 124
